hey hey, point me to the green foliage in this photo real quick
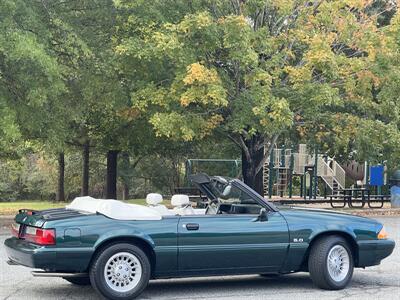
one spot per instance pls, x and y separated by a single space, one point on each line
30 77
31 176
166 80
311 71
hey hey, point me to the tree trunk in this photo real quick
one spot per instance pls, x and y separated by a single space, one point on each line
111 184
125 178
249 166
85 170
60 195
125 191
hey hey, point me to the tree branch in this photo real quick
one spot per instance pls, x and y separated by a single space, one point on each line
235 141
268 153
259 143
244 148
135 163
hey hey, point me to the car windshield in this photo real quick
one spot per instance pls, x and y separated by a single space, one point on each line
218 184
229 190
228 193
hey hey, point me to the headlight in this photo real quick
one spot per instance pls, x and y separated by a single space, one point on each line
382 235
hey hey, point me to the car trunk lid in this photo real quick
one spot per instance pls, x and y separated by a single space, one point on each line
37 218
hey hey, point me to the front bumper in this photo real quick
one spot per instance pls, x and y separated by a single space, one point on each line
30 255
370 253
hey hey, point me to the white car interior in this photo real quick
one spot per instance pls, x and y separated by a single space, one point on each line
230 200
154 201
181 204
119 210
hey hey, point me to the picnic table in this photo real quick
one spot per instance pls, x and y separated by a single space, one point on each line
357 198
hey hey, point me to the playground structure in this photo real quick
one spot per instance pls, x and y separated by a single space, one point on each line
283 164
314 170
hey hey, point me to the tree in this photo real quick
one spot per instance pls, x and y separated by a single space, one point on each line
85 169
32 80
81 33
23 56
378 137
60 196
59 85
254 69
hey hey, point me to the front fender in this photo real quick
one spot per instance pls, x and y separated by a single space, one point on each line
331 229
301 240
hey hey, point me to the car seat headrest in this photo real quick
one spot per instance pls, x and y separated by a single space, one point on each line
154 199
180 200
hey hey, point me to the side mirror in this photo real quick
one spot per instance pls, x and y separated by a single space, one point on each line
263 216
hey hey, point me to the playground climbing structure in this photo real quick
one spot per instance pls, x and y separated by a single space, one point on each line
283 164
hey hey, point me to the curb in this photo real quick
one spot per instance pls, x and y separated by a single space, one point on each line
389 212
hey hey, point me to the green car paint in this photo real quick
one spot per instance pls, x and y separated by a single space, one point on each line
232 244
219 244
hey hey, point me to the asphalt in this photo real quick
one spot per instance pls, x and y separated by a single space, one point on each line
379 282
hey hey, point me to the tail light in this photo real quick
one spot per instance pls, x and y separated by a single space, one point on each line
40 236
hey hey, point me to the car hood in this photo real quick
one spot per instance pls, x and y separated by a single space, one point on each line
324 214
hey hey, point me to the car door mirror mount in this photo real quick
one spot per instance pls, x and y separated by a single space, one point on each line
263 216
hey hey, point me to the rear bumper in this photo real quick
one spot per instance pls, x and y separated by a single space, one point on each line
372 252
30 255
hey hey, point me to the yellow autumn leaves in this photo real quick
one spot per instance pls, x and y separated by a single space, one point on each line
200 74
311 57
203 86
187 127
199 88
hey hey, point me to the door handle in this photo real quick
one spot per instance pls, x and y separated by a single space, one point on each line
192 226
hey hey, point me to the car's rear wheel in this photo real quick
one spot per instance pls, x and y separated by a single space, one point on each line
331 263
121 271
78 280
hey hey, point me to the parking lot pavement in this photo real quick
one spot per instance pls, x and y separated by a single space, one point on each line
380 282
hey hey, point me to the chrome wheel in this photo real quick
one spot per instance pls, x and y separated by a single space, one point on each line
123 272
338 263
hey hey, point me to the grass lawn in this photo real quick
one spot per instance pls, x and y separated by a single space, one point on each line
11 208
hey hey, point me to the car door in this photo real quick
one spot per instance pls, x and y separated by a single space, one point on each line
232 243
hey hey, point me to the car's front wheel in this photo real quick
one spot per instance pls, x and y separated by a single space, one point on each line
121 271
331 263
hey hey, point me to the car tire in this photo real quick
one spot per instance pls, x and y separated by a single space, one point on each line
120 272
331 263
78 280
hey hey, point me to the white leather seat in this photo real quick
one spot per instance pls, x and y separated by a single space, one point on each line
181 204
153 200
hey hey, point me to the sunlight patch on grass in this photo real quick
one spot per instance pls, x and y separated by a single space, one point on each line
11 208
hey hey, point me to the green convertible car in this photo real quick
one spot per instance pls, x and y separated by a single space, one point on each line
118 247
